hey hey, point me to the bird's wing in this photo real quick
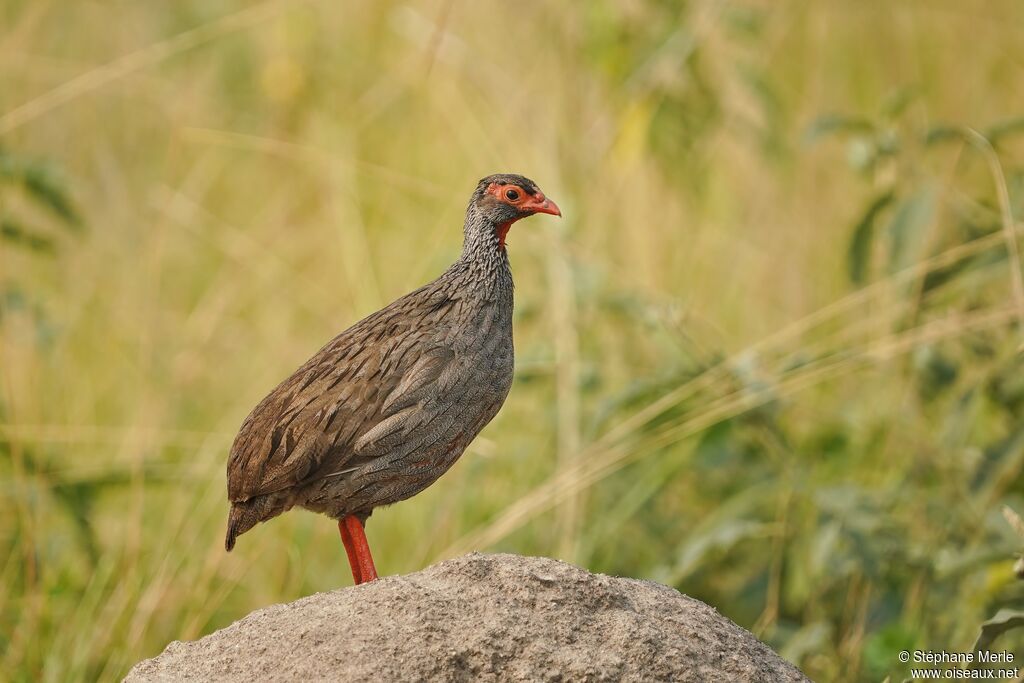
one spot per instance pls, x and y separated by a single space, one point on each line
360 389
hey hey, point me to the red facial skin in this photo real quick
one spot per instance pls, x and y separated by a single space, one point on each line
527 204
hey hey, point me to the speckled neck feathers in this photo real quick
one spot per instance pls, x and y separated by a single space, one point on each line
484 260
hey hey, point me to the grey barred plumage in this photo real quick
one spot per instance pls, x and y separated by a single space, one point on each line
387 406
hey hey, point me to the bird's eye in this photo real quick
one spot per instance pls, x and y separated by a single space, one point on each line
511 195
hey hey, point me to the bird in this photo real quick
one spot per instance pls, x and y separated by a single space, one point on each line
387 406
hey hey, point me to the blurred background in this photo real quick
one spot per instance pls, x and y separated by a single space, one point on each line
771 356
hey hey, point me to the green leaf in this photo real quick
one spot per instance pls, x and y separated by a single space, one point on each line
720 537
1004 129
858 255
882 648
936 371
833 124
1004 620
896 103
940 134
731 523
21 237
43 184
48 190
999 457
906 230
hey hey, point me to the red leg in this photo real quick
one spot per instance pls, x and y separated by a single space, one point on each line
359 557
350 549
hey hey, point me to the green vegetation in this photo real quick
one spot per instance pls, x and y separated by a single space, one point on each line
772 355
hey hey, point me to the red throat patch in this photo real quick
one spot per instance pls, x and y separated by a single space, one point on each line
502 230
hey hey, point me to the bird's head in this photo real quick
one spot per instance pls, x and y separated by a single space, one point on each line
502 199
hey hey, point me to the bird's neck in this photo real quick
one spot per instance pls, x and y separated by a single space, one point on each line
483 252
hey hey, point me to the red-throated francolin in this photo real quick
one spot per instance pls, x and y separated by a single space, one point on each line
387 406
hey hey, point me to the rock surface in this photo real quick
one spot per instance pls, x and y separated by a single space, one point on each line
479 618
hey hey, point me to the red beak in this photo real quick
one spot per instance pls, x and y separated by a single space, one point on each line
541 204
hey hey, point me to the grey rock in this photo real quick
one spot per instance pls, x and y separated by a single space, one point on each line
479 618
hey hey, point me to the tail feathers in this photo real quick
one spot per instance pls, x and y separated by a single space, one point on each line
243 516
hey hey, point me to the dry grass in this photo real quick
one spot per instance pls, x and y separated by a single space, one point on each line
698 378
